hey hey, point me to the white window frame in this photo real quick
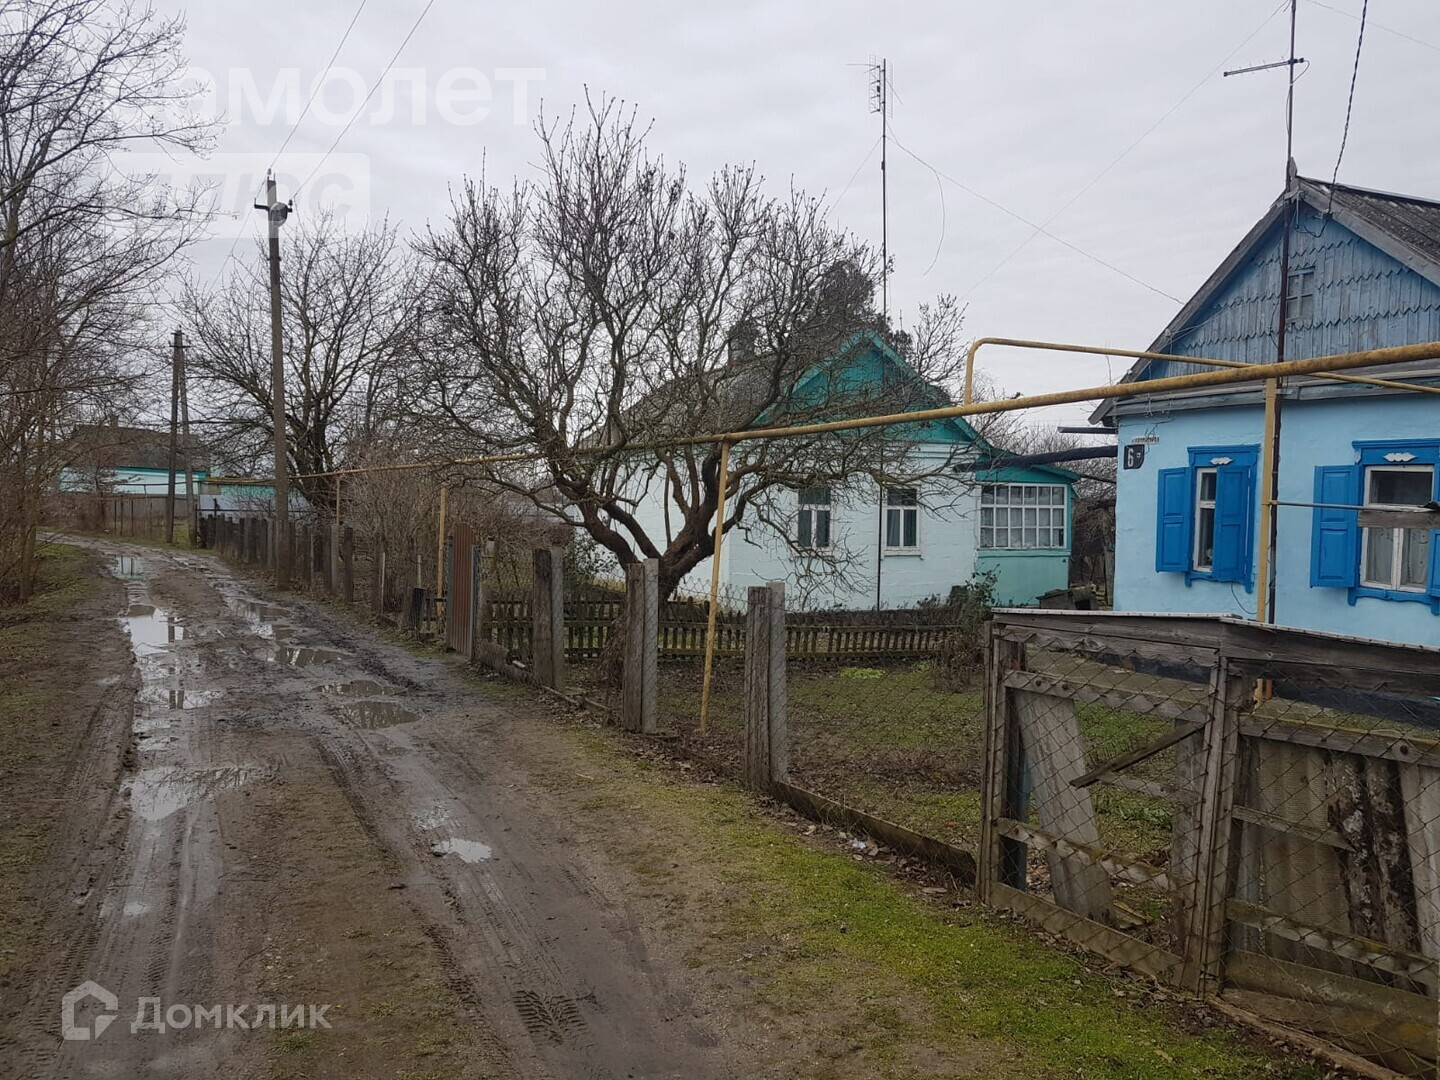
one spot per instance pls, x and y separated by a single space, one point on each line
902 509
813 509
995 509
1397 535
1202 503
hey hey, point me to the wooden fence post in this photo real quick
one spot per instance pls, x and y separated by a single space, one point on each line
1212 876
347 555
332 562
377 582
639 677
547 607
767 754
481 555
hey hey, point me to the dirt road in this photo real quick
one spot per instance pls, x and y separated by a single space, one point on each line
309 816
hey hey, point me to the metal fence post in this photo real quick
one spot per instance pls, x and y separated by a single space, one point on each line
548 611
767 754
638 678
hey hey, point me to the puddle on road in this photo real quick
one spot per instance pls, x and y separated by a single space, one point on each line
358 688
128 567
151 628
158 792
303 656
471 851
369 715
179 698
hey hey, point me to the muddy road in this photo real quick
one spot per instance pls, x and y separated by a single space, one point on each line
308 816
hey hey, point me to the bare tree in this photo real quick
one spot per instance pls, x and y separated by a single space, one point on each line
608 306
347 301
82 244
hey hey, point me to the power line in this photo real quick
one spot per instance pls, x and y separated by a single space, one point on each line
849 183
229 254
1379 26
1127 151
1026 221
1349 106
396 56
315 90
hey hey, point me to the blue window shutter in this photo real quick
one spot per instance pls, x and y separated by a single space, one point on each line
1234 496
1434 589
1172 529
1335 538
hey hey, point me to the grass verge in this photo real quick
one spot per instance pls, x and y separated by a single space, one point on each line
42 721
869 977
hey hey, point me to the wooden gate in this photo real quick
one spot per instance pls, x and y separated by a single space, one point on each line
1238 810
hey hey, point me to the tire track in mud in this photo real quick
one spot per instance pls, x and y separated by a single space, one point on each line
557 974
552 959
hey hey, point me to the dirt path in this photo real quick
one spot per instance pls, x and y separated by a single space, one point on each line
313 817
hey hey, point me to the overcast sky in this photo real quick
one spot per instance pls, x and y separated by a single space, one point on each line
1024 104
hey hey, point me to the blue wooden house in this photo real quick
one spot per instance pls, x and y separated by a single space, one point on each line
1364 272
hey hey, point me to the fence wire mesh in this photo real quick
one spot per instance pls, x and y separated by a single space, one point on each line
1238 809
1334 914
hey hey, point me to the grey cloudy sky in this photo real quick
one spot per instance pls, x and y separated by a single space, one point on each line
1024 104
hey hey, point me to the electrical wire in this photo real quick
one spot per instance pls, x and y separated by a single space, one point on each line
1349 107
1026 221
228 255
1378 26
315 90
1128 150
396 56
848 183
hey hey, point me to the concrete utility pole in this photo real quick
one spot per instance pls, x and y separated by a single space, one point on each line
174 431
276 213
191 517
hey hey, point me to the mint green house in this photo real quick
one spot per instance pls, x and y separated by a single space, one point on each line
851 544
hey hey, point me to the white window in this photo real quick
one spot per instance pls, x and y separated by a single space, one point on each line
1022 516
1396 558
902 519
1204 554
812 524
1300 296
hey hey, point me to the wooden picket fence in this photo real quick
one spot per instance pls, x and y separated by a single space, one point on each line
682 627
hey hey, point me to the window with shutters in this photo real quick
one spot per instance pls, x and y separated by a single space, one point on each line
1205 525
812 523
1362 540
1396 558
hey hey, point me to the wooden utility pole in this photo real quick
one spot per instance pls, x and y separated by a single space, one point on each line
276 212
174 434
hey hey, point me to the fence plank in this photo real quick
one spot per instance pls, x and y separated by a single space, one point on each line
1055 754
1420 791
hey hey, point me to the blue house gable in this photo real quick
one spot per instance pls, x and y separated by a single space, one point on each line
1364 272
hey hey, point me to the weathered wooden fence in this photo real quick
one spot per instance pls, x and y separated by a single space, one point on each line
1295 778
681 632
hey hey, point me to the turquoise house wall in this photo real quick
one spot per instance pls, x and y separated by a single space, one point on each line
1313 433
129 481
